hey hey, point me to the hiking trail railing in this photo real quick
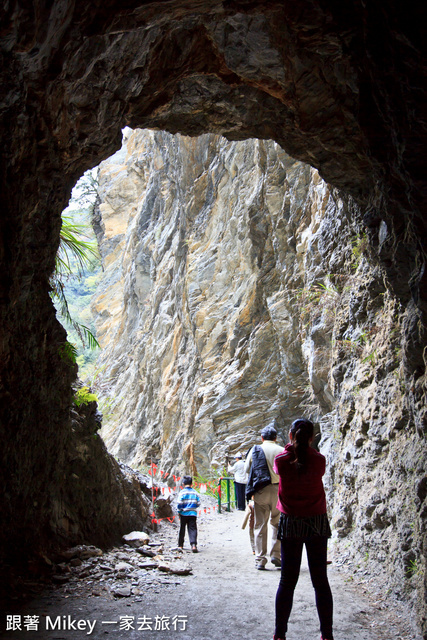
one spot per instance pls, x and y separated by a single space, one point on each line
228 500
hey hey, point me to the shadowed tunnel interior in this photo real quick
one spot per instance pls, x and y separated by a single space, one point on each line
340 86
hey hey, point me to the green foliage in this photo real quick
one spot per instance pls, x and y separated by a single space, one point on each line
106 407
211 484
317 298
105 403
76 248
371 358
359 245
76 252
77 272
354 346
91 282
143 468
412 568
84 396
68 351
317 292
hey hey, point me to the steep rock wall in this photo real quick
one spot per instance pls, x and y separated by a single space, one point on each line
340 85
92 479
238 288
200 342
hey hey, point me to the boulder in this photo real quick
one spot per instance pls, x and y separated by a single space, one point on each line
136 538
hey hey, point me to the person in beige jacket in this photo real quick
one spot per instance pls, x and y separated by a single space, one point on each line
265 501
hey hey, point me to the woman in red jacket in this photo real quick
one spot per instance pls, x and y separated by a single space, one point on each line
303 520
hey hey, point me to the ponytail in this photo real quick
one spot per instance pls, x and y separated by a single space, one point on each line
302 431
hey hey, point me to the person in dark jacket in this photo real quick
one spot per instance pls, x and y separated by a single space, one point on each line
303 521
264 483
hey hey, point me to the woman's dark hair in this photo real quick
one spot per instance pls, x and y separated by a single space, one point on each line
302 431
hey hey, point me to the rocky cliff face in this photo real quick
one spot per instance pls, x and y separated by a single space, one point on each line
198 238
93 479
339 85
240 288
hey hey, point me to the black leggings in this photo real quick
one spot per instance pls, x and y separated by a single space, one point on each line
291 561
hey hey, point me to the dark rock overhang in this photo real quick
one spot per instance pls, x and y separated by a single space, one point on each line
338 85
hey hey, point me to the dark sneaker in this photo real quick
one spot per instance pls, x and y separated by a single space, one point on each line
193 548
276 561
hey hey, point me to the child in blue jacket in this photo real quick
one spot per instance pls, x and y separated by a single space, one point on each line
188 504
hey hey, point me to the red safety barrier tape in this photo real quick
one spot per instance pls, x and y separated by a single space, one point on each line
157 520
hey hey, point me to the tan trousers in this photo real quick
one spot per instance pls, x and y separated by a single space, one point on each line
265 508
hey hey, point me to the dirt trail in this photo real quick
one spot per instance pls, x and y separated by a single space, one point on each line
224 598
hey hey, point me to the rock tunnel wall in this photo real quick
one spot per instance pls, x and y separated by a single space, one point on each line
238 288
338 85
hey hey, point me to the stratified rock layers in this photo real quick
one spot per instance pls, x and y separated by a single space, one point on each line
239 288
200 342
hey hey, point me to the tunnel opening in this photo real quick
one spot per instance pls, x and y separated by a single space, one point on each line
195 234
242 71
173 214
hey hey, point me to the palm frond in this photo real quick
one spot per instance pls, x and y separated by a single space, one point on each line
84 333
74 243
88 335
75 247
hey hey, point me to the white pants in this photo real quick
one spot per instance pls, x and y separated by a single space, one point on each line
265 508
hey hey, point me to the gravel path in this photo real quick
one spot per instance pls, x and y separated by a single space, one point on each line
223 598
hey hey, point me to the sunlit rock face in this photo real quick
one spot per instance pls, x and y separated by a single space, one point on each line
199 237
339 85
239 288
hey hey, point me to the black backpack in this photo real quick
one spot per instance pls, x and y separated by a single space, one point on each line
259 474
